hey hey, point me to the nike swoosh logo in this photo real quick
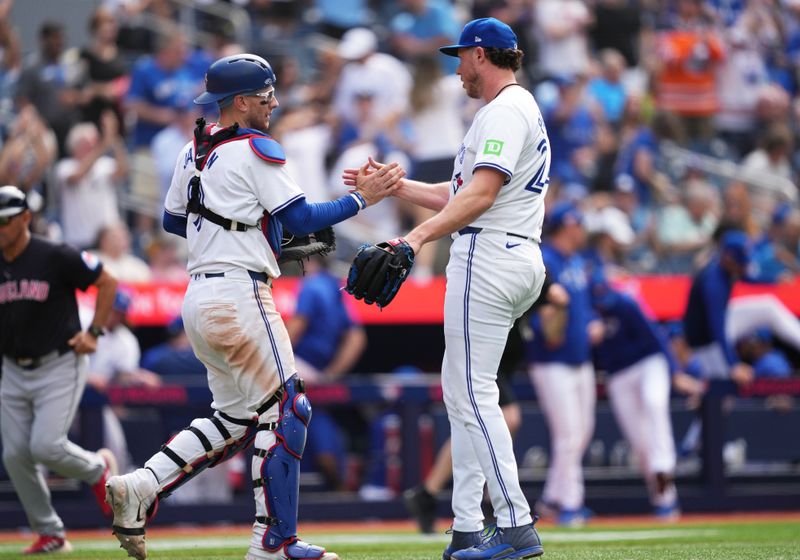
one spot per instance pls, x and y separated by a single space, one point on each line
512 245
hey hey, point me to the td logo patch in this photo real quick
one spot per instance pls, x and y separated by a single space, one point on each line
493 147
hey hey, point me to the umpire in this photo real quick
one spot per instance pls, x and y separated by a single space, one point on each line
44 365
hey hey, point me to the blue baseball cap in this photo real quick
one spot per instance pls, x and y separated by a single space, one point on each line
562 214
736 244
483 32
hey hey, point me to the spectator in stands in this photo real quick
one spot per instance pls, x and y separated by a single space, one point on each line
28 151
737 209
168 143
610 235
686 226
337 16
706 310
87 180
437 127
561 29
165 263
114 250
10 63
160 86
327 342
51 84
639 151
116 362
639 254
608 88
688 56
421 27
757 350
773 157
559 363
776 255
572 125
742 78
106 73
367 69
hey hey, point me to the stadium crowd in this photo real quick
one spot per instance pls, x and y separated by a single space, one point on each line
670 120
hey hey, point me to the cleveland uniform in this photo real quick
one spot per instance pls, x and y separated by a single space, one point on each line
495 273
42 378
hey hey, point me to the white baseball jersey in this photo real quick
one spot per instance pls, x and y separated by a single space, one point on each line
239 185
508 134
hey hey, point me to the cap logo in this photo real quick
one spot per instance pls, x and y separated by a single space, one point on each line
478 39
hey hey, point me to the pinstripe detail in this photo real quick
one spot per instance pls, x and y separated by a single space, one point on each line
469 383
269 331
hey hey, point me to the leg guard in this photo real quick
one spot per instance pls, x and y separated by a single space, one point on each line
205 443
278 469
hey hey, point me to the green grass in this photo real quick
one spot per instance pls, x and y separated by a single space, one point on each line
723 541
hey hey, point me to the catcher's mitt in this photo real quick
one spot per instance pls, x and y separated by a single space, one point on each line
379 270
297 248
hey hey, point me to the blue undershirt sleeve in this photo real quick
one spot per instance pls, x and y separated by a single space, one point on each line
174 224
302 217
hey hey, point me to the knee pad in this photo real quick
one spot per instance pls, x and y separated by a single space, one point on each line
277 487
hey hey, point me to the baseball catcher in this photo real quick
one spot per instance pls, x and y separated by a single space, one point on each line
379 270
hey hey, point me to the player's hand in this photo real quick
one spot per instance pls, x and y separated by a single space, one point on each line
688 385
349 174
376 185
83 343
596 332
742 374
557 295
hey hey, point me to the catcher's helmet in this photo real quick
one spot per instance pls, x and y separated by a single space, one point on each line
12 201
232 75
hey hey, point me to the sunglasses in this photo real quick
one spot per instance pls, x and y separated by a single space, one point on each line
5 220
266 96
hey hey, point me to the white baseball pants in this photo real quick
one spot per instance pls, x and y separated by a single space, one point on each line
639 396
492 279
567 396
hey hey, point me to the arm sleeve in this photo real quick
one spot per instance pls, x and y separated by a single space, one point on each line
175 224
715 298
302 217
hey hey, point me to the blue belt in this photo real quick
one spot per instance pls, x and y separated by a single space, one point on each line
472 229
260 276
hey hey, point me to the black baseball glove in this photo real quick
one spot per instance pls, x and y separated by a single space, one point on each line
379 270
297 248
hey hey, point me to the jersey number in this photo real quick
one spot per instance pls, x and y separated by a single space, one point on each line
539 181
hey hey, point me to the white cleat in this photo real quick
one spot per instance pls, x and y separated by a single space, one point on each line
130 505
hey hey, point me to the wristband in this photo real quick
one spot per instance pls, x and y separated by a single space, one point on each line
359 199
96 331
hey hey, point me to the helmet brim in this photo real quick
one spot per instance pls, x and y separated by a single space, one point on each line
206 98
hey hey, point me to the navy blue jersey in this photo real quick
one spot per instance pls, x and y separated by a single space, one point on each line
571 273
629 336
704 319
38 309
320 302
